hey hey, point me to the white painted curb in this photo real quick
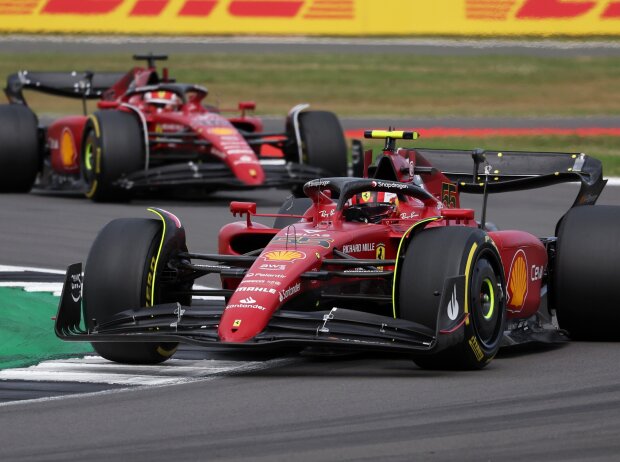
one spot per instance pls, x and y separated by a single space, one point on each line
614 181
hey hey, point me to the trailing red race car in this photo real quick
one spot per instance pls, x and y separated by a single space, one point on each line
385 262
153 133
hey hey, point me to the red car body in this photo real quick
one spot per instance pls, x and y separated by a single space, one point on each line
389 261
152 133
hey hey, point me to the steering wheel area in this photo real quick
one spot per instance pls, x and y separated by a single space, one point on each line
372 212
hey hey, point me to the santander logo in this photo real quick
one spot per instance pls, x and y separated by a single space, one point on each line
292 290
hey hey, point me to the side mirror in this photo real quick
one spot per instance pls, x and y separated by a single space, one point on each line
243 208
246 106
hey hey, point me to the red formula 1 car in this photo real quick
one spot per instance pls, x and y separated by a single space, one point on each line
153 133
385 262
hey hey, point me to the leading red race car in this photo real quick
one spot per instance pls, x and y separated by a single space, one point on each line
385 262
153 133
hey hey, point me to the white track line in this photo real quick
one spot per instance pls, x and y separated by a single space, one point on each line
56 287
96 370
11 269
614 181
200 375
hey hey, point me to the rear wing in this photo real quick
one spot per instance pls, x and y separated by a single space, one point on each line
505 171
82 85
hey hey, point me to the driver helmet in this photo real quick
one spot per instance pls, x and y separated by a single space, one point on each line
162 99
377 205
373 197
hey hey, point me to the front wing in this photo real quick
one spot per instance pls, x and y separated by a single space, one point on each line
278 173
172 322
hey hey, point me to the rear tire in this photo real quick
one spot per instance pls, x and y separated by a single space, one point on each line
116 278
113 147
323 142
585 284
19 148
437 254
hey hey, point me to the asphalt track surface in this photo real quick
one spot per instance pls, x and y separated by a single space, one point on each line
557 404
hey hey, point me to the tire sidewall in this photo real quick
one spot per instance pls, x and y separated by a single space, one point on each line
113 147
447 252
477 350
584 285
121 266
323 142
20 158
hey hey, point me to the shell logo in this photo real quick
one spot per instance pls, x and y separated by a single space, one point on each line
68 153
517 281
222 131
284 255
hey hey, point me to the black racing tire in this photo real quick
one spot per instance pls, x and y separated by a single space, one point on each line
19 148
292 206
436 254
585 288
112 147
323 142
117 277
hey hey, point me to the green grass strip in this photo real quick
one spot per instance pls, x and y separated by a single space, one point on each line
27 330
374 84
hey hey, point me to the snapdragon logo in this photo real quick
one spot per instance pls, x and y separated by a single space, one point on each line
382 184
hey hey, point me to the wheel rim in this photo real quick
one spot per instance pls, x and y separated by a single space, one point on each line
486 315
487 297
89 161
88 156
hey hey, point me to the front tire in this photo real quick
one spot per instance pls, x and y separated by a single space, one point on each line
118 276
113 147
585 285
435 255
323 142
19 148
